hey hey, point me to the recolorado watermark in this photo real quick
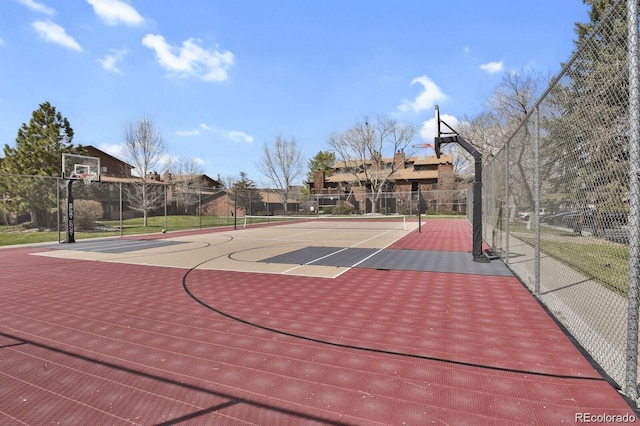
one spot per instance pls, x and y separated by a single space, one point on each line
604 418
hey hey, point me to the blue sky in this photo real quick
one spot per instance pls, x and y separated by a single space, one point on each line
219 79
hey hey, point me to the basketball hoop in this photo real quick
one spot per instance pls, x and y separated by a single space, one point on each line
88 178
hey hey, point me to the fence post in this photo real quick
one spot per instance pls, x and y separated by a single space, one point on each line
631 373
507 195
120 208
536 196
58 206
165 208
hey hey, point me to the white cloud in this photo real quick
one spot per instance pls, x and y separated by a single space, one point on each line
1 42
114 12
166 159
199 161
428 129
188 132
37 7
54 33
466 50
190 60
234 135
110 61
492 67
239 136
427 99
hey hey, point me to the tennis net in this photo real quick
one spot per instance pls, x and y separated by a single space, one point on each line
330 222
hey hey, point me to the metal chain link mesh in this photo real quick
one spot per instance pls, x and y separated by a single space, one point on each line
568 238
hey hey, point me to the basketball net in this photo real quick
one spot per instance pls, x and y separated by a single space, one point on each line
88 178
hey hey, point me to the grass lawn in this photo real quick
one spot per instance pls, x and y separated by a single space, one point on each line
599 259
11 235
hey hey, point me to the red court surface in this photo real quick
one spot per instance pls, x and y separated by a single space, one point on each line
91 342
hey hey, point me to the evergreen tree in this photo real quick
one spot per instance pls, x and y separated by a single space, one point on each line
38 152
590 114
246 194
323 160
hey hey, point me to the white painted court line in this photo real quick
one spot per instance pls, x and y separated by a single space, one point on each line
352 246
370 256
314 260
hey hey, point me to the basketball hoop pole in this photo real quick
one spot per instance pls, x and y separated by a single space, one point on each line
454 137
77 167
71 232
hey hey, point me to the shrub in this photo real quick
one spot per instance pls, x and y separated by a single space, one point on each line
342 210
87 213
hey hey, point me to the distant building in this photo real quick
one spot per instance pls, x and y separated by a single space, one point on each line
342 187
185 194
110 166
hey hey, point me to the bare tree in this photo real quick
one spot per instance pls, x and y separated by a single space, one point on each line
508 106
282 164
228 182
361 150
144 149
186 179
512 102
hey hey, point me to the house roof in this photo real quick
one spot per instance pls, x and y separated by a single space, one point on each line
95 152
401 174
182 178
408 173
271 196
131 179
432 159
416 160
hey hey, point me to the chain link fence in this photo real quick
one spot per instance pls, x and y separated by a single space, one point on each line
112 207
37 204
400 203
559 203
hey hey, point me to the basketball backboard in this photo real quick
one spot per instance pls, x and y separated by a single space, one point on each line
436 142
80 167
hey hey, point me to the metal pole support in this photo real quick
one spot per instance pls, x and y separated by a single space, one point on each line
71 232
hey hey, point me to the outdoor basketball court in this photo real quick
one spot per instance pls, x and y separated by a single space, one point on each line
329 322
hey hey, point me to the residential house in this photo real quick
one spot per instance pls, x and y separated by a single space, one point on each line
344 187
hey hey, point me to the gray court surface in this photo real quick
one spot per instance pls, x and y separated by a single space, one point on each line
406 260
113 246
323 256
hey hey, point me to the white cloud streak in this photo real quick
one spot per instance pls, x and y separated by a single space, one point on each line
110 61
492 67
115 12
54 33
239 136
190 59
234 135
37 7
427 99
194 132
